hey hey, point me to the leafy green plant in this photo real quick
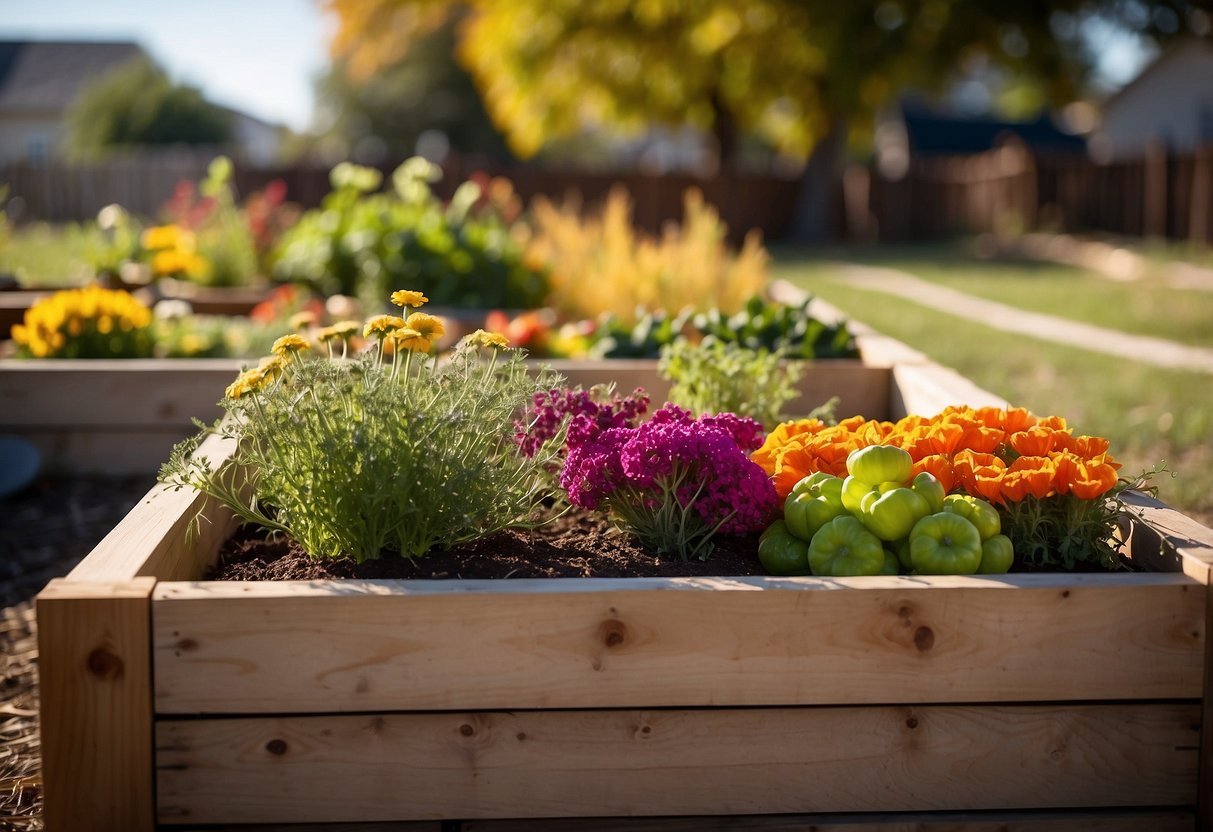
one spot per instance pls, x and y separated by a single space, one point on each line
360 243
385 451
769 325
715 377
221 233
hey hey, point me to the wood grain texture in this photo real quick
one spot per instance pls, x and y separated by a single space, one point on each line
1164 538
672 762
95 706
294 647
861 389
123 393
154 539
1153 820
926 389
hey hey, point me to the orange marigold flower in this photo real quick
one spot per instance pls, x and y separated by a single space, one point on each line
1028 476
1085 447
1055 422
1085 479
982 439
980 474
1016 419
1036 441
939 465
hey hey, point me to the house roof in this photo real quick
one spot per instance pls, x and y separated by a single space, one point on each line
44 76
931 132
1173 53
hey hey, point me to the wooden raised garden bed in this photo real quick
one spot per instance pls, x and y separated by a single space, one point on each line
1044 701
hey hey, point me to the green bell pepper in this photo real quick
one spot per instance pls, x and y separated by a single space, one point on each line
813 502
977 511
854 490
880 463
945 544
997 555
927 486
782 553
892 566
843 547
891 515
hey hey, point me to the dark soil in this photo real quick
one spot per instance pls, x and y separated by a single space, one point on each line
576 545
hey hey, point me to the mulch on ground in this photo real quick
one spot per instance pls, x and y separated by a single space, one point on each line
44 531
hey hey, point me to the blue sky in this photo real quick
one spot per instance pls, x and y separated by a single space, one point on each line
260 56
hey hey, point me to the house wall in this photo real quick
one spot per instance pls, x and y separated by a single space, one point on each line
1172 101
29 137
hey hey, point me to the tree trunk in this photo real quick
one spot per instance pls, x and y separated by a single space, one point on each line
814 218
724 128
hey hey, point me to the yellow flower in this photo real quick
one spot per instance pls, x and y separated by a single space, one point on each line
302 320
428 327
343 330
177 261
161 237
405 297
480 338
408 339
288 344
272 366
245 383
382 324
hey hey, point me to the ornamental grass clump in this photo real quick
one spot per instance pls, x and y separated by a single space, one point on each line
674 481
388 450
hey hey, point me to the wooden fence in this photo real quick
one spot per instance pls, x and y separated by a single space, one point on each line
1005 189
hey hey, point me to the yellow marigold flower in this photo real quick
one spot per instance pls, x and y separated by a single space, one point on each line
177 261
247 382
288 344
342 330
408 339
480 338
427 326
405 297
382 324
302 320
160 237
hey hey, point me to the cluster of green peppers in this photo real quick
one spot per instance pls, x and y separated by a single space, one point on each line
880 520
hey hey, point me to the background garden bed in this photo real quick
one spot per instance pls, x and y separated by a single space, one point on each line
1007 695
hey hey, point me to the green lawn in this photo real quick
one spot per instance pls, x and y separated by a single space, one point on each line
1144 307
1151 415
46 255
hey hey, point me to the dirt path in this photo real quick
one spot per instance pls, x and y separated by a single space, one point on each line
1157 351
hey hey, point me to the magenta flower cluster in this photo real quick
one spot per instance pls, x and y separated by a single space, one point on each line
549 409
674 480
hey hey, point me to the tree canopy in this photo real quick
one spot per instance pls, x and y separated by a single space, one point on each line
788 71
137 104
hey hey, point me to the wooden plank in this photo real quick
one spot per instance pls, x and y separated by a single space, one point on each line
1165 538
1123 820
83 450
120 393
926 389
1204 806
95 705
373 826
296 647
155 538
861 390
528 764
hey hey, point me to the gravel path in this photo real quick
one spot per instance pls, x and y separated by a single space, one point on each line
1157 351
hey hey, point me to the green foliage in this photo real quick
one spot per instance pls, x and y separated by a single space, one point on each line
363 243
785 70
137 104
221 230
355 457
383 114
215 336
760 325
714 377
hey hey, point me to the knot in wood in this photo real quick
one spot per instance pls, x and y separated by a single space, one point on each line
104 664
612 632
277 747
467 730
924 639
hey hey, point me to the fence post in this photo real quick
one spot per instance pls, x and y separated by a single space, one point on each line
1202 194
1154 204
